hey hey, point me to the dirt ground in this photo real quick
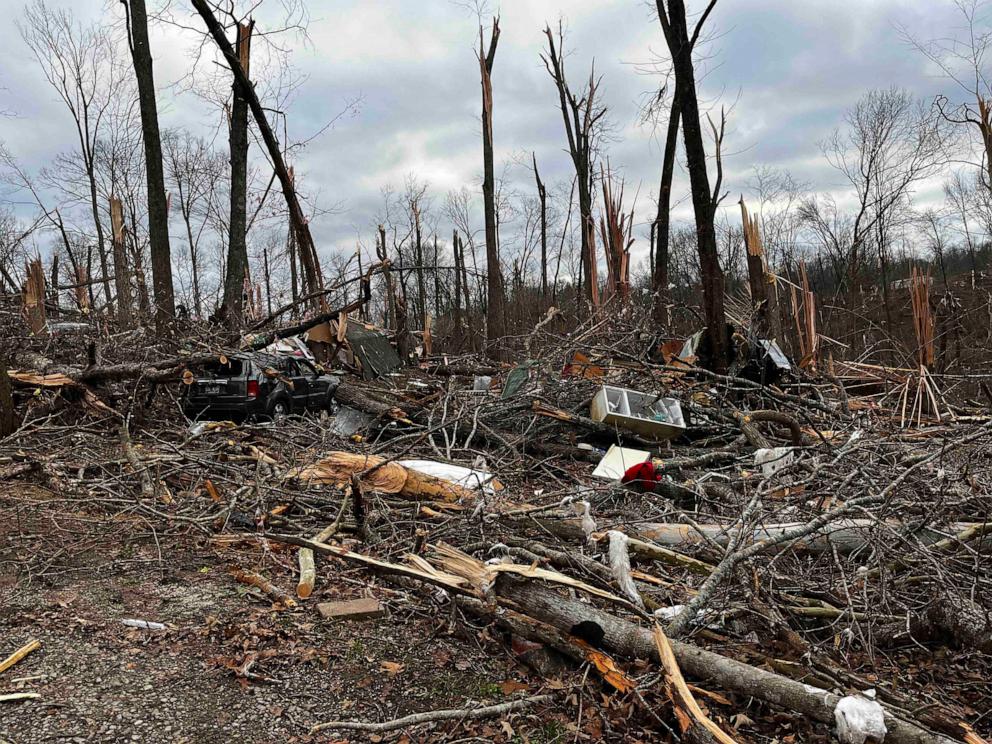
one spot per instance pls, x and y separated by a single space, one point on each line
229 667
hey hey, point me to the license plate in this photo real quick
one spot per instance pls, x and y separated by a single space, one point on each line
211 389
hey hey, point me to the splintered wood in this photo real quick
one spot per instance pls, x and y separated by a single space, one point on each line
33 297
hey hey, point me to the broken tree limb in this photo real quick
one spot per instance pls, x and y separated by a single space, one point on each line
844 535
355 397
630 640
792 536
308 568
250 578
415 719
681 690
19 655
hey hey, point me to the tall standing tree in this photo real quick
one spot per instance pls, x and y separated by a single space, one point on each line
494 307
158 213
313 281
237 248
704 201
583 116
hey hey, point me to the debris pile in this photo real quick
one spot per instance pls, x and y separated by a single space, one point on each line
723 558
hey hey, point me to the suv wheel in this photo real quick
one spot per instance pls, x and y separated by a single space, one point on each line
279 409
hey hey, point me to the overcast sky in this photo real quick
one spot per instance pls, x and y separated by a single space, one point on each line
789 69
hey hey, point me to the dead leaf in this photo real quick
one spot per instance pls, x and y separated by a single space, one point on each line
511 686
391 668
607 668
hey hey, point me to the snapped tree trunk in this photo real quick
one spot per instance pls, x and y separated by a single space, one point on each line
121 272
542 195
494 305
581 116
158 217
232 309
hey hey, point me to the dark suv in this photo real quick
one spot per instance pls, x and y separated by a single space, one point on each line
258 385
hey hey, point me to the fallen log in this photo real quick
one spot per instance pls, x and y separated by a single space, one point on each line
628 639
844 535
378 474
351 395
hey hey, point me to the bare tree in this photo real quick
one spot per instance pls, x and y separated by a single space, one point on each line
495 319
79 63
891 143
583 117
304 245
962 57
193 170
542 195
237 249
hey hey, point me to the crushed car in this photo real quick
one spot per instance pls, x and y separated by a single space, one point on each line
258 386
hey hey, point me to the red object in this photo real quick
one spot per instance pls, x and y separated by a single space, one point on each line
643 476
252 388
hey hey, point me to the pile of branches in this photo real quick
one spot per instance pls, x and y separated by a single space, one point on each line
793 591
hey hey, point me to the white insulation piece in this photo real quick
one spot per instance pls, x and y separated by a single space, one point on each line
860 719
588 523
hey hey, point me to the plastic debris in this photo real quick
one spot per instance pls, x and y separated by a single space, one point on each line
618 460
457 474
860 719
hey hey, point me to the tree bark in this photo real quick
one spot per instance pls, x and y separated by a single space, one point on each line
495 328
8 419
663 220
232 309
158 217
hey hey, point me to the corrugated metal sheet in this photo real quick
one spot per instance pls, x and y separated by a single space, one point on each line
373 350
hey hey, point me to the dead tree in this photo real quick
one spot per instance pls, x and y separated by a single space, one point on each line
494 304
582 115
704 200
380 249
313 281
237 247
158 212
542 195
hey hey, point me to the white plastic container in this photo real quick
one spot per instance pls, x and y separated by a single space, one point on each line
651 416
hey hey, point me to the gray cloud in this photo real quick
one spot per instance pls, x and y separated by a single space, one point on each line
790 69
